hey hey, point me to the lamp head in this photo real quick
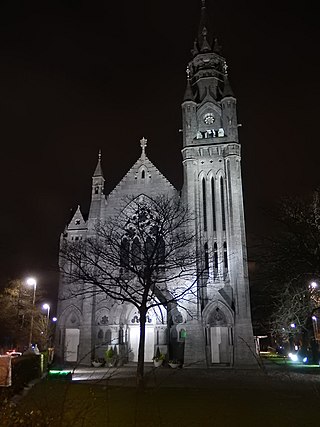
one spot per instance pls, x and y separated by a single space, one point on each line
31 281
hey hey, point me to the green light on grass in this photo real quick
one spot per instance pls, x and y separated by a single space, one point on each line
59 374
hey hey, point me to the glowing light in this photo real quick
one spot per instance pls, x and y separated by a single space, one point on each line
313 285
314 318
31 281
305 360
46 306
293 325
293 357
54 319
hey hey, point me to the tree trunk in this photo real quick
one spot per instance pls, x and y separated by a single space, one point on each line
140 367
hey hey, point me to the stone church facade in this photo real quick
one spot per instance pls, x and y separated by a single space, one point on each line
221 333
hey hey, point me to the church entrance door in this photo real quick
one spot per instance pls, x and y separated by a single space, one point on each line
149 343
71 344
220 348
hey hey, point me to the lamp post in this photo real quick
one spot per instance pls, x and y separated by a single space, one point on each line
47 307
32 282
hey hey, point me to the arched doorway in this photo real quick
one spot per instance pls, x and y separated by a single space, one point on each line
219 335
155 333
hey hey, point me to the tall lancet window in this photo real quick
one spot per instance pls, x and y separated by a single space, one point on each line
225 256
215 256
223 209
214 222
206 256
204 204
124 253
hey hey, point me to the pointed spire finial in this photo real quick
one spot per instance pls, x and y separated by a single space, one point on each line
225 68
143 144
188 72
98 170
203 3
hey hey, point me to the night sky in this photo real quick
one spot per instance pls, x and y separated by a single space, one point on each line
79 76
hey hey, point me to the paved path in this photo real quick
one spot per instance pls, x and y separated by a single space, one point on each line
193 377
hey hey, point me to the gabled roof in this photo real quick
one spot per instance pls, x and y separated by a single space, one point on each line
142 178
77 222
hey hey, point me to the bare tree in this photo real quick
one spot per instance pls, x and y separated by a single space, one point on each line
289 262
145 256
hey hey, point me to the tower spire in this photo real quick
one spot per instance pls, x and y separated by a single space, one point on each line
188 94
98 170
204 43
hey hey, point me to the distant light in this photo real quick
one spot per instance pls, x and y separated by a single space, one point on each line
314 317
46 306
305 360
293 357
293 325
313 285
54 319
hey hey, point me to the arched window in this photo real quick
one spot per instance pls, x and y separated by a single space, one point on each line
223 211
225 256
149 248
136 255
215 256
100 335
161 251
206 257
143 174
124 253
213 206
107 337
121 336
204 204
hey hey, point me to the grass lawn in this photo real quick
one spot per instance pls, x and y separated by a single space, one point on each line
62 403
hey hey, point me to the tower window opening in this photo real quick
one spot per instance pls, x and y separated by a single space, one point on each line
143 174
124 253
96 190
223 211
215 256
206 257
204 204
225 256
214 223
136 255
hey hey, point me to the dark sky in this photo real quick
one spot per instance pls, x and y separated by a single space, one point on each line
76 76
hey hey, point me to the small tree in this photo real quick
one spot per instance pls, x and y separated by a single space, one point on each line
289 260
145 256
16 308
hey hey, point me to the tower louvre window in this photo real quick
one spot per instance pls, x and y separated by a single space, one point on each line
206 256
223 211
143 174
204 204
215 256
213 206
225 256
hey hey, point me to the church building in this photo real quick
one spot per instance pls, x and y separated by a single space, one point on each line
221 333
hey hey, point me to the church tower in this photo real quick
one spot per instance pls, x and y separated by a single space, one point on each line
213 190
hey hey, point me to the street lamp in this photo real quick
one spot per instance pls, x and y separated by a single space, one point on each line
47 307
32 282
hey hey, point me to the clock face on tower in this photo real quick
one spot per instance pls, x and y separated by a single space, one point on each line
208 118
